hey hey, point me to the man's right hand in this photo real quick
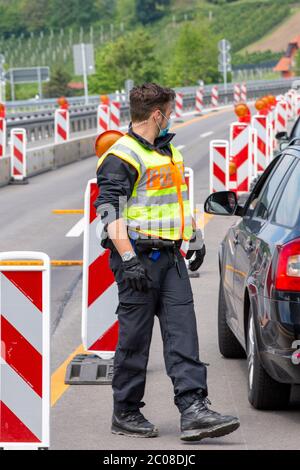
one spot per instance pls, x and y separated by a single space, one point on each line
135 274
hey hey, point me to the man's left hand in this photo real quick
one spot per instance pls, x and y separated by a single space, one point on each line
196 246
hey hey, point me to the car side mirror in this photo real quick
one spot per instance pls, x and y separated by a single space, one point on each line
222 203
282 136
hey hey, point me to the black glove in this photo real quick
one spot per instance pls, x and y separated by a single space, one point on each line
135 274
196 246
197 262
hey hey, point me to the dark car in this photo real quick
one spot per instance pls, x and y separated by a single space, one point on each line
259 293
285 139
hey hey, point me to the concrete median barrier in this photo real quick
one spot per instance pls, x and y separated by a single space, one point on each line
4 170
50 157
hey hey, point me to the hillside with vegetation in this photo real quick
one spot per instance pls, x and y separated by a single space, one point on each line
173 41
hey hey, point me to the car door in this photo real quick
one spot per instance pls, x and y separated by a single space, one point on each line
252 248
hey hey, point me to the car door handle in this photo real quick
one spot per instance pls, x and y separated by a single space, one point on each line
236 239
249 245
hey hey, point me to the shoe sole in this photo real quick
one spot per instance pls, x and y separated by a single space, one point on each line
217 431
116 430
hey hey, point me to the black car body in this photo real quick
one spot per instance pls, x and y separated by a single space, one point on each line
259 299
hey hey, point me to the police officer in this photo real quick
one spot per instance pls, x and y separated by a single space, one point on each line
143 202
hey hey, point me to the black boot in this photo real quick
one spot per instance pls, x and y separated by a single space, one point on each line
198 422
132 423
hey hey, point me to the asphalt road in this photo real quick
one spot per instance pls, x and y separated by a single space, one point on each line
81 415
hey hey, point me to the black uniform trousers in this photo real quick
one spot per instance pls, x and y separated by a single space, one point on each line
170 297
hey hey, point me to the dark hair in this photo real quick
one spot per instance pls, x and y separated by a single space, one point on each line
146 98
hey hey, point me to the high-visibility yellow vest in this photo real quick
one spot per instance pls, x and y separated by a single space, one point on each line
159 205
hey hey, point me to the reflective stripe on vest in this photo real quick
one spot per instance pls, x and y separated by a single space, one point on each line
159 204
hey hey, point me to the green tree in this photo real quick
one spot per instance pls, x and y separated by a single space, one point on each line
125 12
195 56
73 12
148 11
130 56
11 21
35 14
58 84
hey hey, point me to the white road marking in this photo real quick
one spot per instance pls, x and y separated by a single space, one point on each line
77 229
180 147
206 134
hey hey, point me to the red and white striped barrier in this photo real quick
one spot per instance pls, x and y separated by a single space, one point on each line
241 154
189 179
25 351
103 118
219 165
254 169
298 105
290 101
282 118
18 142
244 92
61 125
199 100
236 93
2 137
115 115
99 292
271 142
261 125
179 105
215 96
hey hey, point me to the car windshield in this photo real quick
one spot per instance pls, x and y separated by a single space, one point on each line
295 132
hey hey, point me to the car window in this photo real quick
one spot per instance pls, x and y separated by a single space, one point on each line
262 205
259 187
288 209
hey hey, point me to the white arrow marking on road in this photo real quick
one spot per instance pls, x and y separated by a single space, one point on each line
206 134
77 230
180 147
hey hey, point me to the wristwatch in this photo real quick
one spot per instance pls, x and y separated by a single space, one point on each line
128 255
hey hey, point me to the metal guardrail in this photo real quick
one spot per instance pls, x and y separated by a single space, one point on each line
39 124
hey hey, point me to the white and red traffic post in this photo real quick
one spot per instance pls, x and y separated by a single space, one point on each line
261 125
282 117
218 165
254 152
244 92
179 105
271 142
25 350
215 96
298 105
236 93
99 289
290 101
115 115
199 100
2 136
189 179
241 153
18 143
61 125
103 118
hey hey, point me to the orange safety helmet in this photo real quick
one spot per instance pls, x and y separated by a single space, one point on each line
105 140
